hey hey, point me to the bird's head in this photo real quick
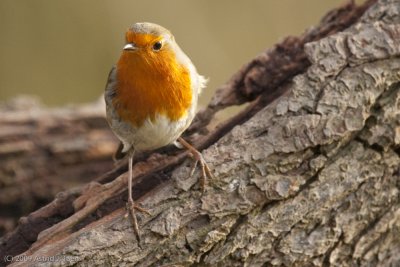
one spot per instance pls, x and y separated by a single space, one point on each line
149 44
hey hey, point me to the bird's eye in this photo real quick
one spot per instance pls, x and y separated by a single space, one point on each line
157 46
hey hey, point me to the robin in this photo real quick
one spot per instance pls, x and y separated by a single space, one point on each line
151 97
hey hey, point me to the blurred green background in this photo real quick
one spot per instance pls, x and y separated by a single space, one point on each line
62 51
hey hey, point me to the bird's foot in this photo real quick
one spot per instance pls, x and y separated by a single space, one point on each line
198 158
205 170
131 207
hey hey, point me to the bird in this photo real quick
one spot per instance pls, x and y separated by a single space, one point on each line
151 98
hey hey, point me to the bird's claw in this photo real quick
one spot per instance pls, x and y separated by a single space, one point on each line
205 170
131 206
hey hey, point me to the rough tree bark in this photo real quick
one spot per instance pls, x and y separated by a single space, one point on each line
312 179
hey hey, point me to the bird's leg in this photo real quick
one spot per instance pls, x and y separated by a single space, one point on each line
198 157
131 205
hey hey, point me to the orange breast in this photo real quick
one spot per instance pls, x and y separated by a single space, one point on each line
151 83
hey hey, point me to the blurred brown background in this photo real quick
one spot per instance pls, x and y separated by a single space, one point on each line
62 50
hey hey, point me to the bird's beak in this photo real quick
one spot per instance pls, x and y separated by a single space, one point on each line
130 47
